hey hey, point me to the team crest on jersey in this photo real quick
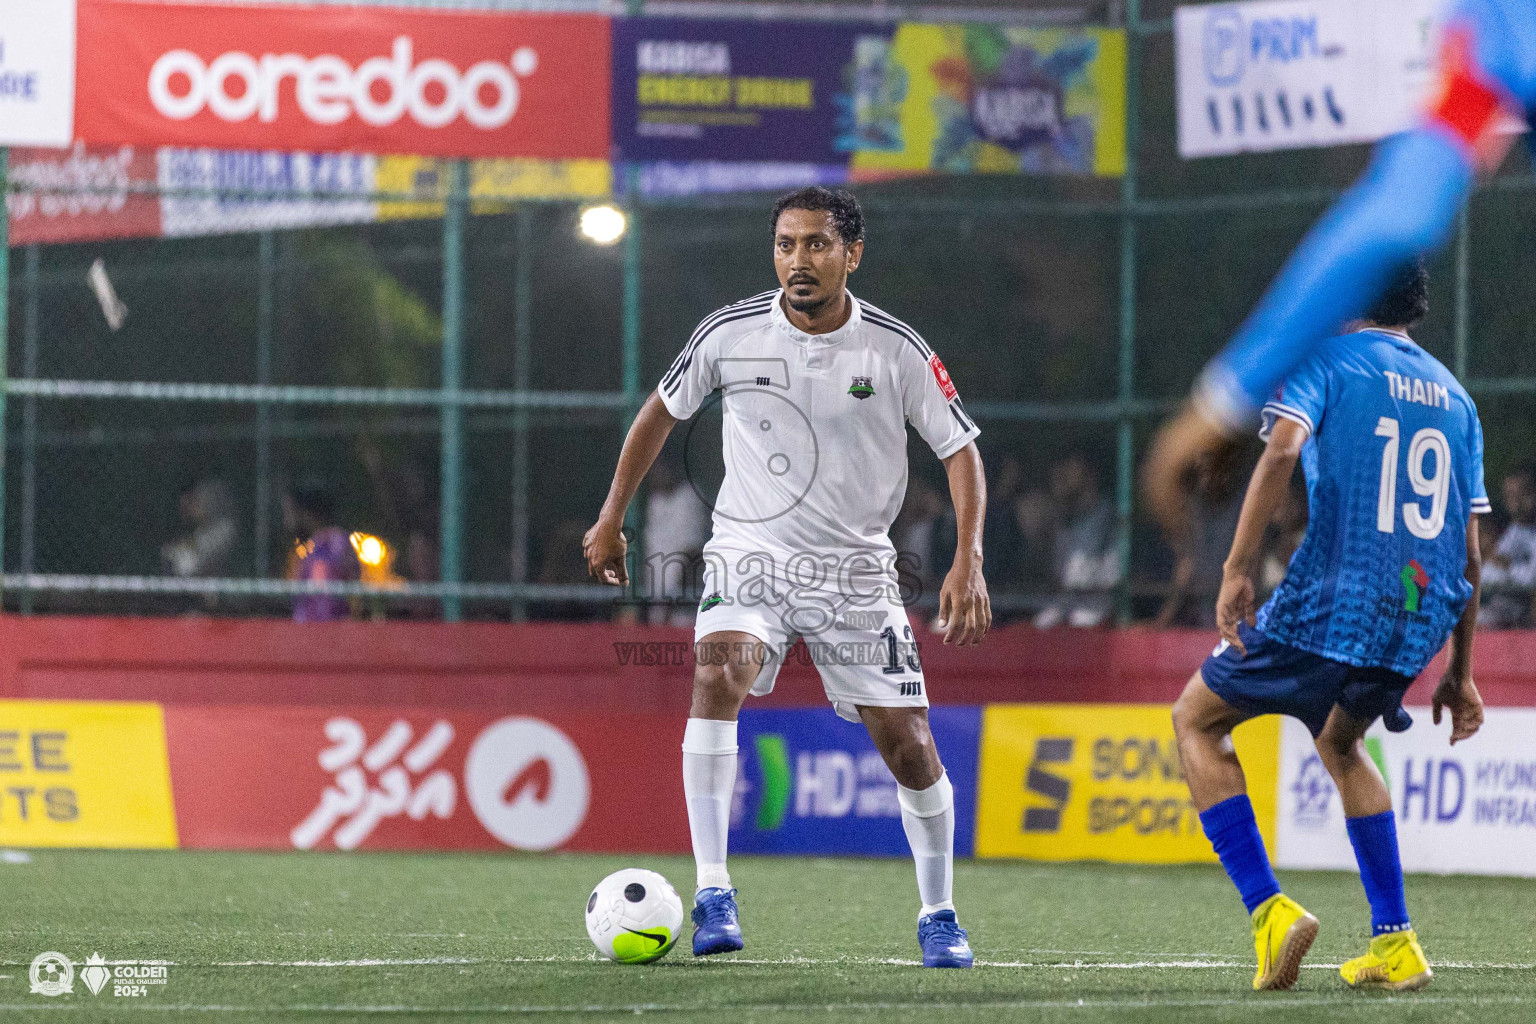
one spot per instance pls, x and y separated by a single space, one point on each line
862 387
941 375
710 601
1415 579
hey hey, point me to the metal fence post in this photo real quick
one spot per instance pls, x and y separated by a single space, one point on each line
30 327
261 518
1462 341
522 353
451 509
1125 441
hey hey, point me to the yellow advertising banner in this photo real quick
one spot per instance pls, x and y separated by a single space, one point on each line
84 773
1103 782
493 184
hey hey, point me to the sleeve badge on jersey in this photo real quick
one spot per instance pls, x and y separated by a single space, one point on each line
942 376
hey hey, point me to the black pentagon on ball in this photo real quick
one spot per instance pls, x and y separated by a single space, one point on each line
592 901
634 892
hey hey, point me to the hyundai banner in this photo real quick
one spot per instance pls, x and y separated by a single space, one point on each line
1287 74
810 783
343 79
1467 809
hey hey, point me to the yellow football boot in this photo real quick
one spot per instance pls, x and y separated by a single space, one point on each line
1282 933
1396 962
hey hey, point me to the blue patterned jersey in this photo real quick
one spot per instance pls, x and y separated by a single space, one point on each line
1394 466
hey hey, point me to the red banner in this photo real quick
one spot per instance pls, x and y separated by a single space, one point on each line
343 79
370 778
82 193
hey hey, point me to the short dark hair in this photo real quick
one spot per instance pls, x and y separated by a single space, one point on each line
847 216
314 497
1406 300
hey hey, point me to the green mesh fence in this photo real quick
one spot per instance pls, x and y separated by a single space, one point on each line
461 381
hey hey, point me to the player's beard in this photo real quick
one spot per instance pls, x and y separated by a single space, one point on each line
813 307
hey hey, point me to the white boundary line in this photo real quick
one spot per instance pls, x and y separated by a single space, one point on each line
981 1006
793 961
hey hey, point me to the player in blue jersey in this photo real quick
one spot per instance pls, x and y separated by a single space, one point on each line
1393 456
1403 207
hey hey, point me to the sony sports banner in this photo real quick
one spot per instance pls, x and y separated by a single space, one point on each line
810 783
342 79
717 105
1102 782
1467 809
37 73
84 774
1287 74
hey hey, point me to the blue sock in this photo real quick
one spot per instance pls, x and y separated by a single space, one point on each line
1233 831
1375 842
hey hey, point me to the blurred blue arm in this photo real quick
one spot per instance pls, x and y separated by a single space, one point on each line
1403 207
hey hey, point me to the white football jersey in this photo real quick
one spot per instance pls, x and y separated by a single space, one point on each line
814 425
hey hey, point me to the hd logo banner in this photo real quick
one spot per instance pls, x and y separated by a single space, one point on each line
84 773
1102 782
1467 809
810 783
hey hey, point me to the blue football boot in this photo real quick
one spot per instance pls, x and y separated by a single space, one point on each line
715 928
943 941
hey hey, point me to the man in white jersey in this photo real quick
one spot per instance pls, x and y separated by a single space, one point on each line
817 390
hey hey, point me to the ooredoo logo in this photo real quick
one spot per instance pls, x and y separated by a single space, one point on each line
527 783
237 86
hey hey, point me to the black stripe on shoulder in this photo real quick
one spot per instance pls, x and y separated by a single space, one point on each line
726 315
890 323
958 408
670 385
722 311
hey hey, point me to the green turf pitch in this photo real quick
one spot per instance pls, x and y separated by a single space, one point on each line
370 937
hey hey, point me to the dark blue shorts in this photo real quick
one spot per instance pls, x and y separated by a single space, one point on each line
1273 679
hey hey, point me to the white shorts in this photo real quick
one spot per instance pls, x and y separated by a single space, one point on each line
862 644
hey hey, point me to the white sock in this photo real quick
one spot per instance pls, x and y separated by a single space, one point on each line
709 781
928 815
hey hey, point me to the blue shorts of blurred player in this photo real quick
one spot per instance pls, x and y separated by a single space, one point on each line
1274 679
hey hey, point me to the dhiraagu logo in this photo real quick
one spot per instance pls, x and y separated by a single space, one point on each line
1415 579
777 783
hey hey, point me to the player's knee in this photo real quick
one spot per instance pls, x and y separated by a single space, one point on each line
1186 717
1339 753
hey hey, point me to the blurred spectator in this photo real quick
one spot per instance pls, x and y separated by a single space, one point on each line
1002 544
409 508
324 552
914 534
1509 572
1086 548
1036 520
1285 535
1213 512
562 563
676 528
207 547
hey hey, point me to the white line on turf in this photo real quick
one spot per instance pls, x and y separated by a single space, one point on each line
794 961
1255 1003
